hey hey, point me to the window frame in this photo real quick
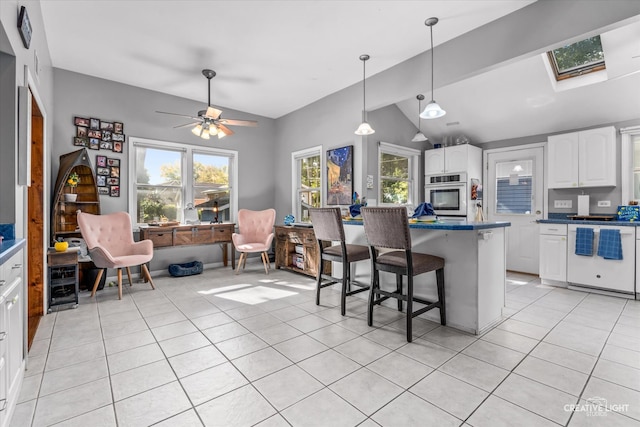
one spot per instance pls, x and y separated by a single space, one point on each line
297 156
187 151
627 140
414 171
577 71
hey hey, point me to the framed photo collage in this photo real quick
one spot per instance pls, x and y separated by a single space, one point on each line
108 176
97 134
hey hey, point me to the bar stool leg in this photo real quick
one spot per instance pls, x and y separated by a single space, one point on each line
409 308
399 290
345 284
440 282
372 294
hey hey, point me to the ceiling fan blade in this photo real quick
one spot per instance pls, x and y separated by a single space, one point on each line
226 130
186 124
234 122
213 113
180 115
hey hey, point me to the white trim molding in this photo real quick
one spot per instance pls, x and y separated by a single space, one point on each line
626 162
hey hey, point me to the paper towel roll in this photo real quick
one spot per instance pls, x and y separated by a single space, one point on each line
583 205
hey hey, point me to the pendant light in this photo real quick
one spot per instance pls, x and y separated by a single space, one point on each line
432 110
364 128
419 136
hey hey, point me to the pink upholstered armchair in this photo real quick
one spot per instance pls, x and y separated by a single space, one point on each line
110 243
255 235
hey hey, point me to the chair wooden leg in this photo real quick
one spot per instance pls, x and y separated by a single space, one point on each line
129 276
119 283
265 261
97 282
440 282
147 275
242 255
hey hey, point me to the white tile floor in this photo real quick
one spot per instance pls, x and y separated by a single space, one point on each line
220 349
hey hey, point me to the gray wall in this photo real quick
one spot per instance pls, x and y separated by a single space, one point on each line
86 96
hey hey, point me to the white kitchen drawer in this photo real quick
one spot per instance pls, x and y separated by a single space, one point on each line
555 229
11 269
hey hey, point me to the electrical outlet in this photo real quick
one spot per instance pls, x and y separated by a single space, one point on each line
604 203
562 204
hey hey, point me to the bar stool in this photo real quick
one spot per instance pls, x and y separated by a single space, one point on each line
389 228
327 226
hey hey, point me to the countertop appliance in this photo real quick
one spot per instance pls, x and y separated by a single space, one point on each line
448 194
597 272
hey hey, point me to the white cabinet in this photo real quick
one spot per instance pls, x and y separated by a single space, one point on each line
582 159
453 159
11 334
553 252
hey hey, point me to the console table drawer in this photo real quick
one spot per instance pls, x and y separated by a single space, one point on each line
160 238
222 234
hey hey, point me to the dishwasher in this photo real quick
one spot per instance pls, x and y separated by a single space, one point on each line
600 273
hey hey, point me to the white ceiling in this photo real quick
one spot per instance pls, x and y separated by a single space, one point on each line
274 57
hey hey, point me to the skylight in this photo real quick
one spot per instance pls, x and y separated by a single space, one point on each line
577 59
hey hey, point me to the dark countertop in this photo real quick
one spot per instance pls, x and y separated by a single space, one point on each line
9 247
448 224
587 222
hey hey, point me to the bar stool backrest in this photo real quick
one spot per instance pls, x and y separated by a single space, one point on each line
387 227
327 224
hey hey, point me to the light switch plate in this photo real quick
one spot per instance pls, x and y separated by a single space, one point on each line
562 204
604 203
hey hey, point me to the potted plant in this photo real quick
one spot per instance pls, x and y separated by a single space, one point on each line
72 182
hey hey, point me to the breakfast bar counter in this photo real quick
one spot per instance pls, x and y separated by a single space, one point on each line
475 269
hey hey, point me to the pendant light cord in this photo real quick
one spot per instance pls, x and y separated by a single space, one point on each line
364 89
433 96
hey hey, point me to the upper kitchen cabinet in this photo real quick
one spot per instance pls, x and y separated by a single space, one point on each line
456 158
582 159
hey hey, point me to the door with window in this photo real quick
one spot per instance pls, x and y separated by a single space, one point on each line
514 193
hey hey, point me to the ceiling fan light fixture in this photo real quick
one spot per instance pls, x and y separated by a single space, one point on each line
221 134
197 130
364 128
432 110
213 130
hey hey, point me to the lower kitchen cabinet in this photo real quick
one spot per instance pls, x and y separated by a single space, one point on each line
553 252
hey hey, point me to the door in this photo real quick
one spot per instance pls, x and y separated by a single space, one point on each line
514 193
434 161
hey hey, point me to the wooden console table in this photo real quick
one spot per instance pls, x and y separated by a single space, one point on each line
297 250
183 235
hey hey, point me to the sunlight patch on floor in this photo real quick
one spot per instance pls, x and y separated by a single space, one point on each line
224 289
256 295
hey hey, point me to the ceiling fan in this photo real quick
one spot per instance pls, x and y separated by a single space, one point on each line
209 122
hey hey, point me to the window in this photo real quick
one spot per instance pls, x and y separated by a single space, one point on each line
577 59
170 177
630 162
398 175
514 187
306 166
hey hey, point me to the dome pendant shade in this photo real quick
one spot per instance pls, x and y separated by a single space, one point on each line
432 111
364 128
419 137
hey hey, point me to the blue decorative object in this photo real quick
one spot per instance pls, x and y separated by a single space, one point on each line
187 269
423 209
289 219
628 213
354 210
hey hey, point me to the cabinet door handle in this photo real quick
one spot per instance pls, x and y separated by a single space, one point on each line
2 282
3 335
16 266
13 301
4 404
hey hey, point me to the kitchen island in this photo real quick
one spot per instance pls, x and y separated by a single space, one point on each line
474 254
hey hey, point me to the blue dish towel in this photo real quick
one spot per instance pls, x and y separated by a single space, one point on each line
423 209
610 244
354 210
584 241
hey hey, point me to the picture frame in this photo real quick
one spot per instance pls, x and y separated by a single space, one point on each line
103 171
115 172
101 161
115 191
81 132
94 144
81 121
113 162
103 191
94 123
340 175
101 180
106 126
113 181
81 142
106 145
106 135
117 147
118 127
94 133
24 27
117 137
